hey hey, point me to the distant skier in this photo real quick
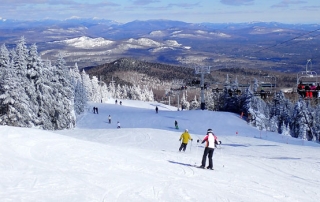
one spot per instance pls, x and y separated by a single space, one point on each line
157 109
185 137
97 110
118 124
109 118
176 124
116 102
120 102
211 140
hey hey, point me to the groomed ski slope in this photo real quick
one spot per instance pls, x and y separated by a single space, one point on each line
140 162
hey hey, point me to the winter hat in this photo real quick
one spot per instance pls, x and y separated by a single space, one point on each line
209 130
186 130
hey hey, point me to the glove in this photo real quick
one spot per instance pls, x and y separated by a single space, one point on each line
198 140
179 139
191 139
219 142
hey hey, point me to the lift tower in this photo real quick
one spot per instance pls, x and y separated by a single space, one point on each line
202 71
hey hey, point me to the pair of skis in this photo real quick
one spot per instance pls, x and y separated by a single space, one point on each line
204 168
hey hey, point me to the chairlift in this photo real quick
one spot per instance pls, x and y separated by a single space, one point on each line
269 83
307 82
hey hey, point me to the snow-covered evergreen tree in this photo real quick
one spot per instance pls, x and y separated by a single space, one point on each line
285 130
184 103
257 108
4 58
117 93
209 100
75 73
86 82
64 116
34 72
112 89
124 93
255 85
235 85
280 110
303 122
194 104
135 92
317 123
96 90
105 93
80 98
14 88
45 97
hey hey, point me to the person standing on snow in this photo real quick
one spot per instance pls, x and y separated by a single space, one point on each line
211 140
176 124
109 118
185 137
157 109
118 124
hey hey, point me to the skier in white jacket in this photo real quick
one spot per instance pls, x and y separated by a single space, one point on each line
211 140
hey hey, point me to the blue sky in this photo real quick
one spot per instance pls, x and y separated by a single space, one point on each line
217 11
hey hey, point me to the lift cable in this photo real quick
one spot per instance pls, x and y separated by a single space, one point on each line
288 40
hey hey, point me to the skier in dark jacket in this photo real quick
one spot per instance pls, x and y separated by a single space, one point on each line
157 109
176 124
211 141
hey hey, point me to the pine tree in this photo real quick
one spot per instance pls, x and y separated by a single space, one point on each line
257 108
194 104
117 93
64 115
4 58
184 103
86 82
317 123
112 89
46 98
302 122
14 87
210 103
80 98
105 93
96 90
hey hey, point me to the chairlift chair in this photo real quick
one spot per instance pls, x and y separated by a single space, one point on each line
307 78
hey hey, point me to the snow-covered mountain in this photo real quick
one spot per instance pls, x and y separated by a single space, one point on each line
88 43
119 47
140 161
92 42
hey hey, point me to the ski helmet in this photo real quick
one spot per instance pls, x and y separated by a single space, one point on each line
186 130
209 130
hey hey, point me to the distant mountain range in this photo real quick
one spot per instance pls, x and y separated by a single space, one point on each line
90 42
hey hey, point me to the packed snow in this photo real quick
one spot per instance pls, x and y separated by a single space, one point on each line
141 162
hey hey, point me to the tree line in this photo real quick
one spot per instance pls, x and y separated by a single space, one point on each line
37 93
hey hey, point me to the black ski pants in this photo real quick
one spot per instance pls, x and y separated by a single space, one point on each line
207 152
183 147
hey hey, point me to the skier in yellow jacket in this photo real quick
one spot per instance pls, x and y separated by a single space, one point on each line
185 137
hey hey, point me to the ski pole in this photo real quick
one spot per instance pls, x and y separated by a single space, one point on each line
197 145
